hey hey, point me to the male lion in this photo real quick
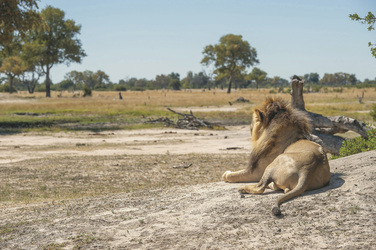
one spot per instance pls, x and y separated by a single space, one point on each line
281 155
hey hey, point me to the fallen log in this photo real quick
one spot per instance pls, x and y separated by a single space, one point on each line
188 121
324 128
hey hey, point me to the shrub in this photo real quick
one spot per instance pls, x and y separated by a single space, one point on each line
121 88
6 87
373 112
358 145
87 91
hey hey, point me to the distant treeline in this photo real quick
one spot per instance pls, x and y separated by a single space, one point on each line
100 81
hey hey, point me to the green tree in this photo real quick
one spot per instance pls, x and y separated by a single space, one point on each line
59 40
174 82
66 84
31 56
370 20
16 17
338 78
257 75
278 82
101 79
231 57
77 78
161 81
97 80
312 78
12 66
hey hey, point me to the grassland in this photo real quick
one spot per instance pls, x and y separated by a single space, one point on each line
104 110
63 188
60 177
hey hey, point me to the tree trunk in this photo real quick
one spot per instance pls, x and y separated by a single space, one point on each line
48 82
229 85
11 84
324 128
297 100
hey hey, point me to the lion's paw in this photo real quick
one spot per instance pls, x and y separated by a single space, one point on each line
224 176
251 189
243 190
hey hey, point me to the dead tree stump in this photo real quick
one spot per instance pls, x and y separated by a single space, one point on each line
324 128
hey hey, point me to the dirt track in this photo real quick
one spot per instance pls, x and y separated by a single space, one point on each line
206 216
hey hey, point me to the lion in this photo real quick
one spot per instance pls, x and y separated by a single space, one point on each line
282 156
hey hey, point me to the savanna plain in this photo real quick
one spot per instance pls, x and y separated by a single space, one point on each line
95 173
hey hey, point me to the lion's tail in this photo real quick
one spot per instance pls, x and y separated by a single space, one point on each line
296 191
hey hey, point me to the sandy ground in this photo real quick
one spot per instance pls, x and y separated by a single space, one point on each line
206 216
149 141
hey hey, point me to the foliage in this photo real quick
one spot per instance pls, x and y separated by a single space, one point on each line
338 78
196 81
373 112
358 145
87 91
257 75
231 57
171 81
174 81
31 55
58 39
97 80
6 88
369 20
12 67
16 16
311 78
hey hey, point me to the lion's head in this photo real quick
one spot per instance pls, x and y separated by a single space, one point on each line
275 125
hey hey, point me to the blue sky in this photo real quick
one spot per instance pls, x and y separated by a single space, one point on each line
145 38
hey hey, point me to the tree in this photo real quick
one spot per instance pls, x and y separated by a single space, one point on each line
31 56
161 81
312 78
338 78
200 80
12 66
257 75
370 20
101 79
76 77
231 57
174 81
16 16
59 40
66 84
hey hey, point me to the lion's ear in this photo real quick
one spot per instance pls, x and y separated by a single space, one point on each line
259 115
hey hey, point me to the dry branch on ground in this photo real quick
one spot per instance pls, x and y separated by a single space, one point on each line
324 128
188 121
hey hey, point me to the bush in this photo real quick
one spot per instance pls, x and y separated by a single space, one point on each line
87 91
6 87
373 112
121 88
358 145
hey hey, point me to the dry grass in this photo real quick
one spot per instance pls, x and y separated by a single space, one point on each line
61 178
70 177
106 106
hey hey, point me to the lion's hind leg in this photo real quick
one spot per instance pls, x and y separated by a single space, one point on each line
273 186
259 188
251 189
